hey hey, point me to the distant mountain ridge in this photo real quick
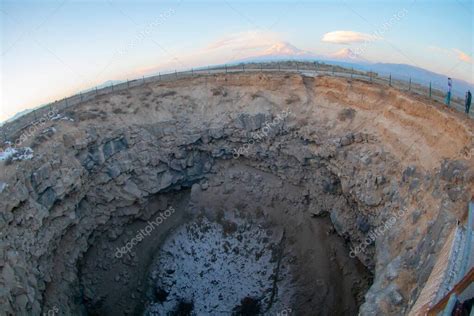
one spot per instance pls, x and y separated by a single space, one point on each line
419 75
347 58
16 116
284 51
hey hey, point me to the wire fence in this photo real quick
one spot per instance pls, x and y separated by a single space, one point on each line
11 130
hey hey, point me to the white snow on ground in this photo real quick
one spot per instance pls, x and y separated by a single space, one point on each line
23 153
3 186
61 117
56 117
202 264
65 118
49 131
9 152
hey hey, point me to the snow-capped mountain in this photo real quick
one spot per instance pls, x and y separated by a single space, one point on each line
345 54
284 48
349 59
281 51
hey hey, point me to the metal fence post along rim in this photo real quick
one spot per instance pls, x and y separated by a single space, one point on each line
434 93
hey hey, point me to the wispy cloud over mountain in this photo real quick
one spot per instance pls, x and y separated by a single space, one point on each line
244 41
452 53
462 56
347 37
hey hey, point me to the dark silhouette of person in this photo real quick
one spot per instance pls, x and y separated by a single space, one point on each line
468 101
448 94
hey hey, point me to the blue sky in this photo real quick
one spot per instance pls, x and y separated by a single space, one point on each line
52 49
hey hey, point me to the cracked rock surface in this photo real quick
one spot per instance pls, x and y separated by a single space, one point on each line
310 150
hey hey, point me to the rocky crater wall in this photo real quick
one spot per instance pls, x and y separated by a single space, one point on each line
362 156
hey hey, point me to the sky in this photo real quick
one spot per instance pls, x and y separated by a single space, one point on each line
54 49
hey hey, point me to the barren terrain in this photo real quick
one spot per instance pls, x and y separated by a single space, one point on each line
322 162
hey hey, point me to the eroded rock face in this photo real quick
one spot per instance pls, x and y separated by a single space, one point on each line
393 202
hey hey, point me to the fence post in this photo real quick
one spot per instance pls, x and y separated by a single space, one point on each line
128 83
390 80
65 100
333 70
226 68
409 85
297 68
112 87
352 73
470 222
192 72
243 67
80 93
430 89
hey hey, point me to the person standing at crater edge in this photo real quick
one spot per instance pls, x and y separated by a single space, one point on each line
468 101
448 94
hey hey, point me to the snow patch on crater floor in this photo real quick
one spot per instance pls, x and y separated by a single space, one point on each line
23 153
217 268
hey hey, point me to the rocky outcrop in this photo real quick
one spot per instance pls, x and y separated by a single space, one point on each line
92 174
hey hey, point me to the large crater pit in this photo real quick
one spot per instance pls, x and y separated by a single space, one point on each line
243 235
233 194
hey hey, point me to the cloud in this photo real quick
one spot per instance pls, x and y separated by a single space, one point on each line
244 41
225 49
252 44
438 49
462 56
452 53
347 37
